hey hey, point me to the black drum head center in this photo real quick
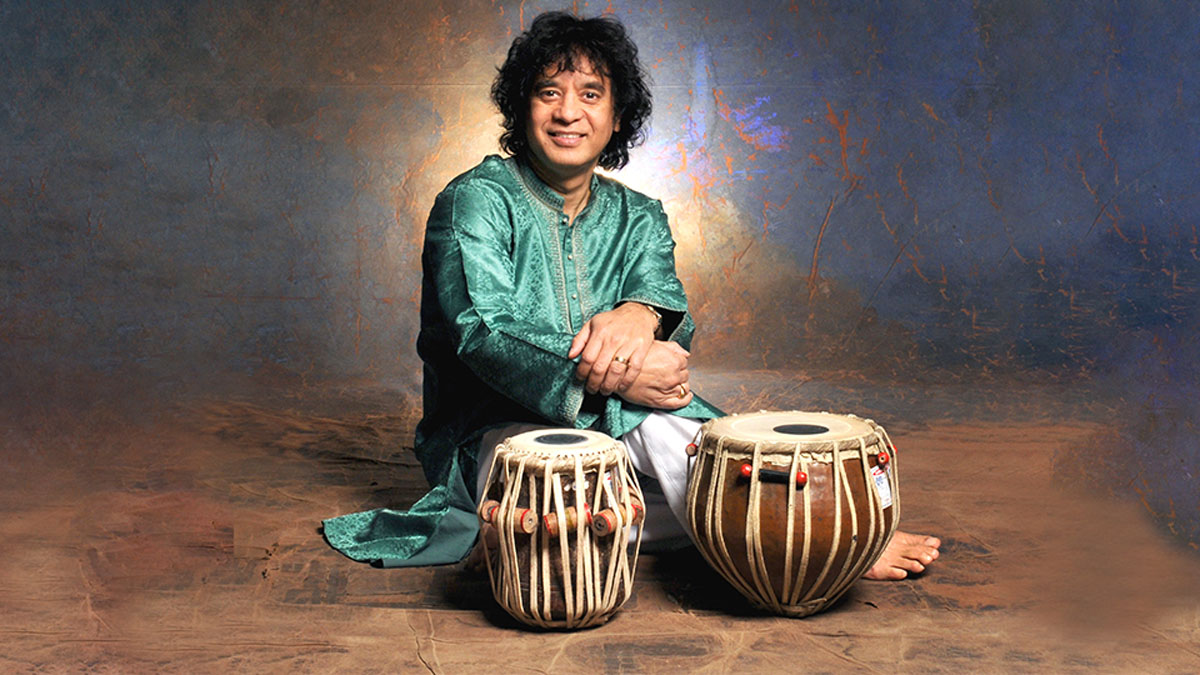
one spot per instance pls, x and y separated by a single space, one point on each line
560 439
800 429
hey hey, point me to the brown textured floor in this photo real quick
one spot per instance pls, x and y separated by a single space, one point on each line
147 536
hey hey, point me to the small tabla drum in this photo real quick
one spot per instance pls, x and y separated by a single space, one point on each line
559 510
792 507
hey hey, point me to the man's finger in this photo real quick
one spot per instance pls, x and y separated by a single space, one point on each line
589 359
614 376
580 340
595 378
670 400
600 369
629 377
636 361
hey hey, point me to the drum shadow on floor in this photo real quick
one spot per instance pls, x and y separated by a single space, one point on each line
468 590
687 578
683 576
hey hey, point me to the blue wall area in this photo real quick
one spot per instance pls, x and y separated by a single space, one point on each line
904 188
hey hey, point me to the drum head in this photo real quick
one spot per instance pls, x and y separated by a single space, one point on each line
791 427
560 442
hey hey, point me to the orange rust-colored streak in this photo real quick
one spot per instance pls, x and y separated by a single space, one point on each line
813 274
842 125
682 159
1117 228
728 270
912 253
929 111
907 197
987 180
1104 147
1083 175
883 214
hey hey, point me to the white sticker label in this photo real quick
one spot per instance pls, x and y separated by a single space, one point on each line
882 486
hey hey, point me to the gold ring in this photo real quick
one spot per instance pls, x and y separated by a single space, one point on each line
621 359
682 391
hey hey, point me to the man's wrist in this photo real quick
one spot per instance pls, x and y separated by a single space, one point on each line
655 313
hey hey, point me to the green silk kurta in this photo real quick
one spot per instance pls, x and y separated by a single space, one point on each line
507 284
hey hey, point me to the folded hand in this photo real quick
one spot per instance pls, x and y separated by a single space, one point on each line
612 347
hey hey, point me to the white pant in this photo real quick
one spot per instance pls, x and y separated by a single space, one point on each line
658 449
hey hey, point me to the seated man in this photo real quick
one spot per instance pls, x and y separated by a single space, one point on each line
550 298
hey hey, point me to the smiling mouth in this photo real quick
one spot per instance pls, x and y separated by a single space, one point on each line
565 138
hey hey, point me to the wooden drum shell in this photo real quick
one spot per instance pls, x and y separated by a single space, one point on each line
839 522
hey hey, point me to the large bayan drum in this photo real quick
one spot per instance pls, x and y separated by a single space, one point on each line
559 508
792 507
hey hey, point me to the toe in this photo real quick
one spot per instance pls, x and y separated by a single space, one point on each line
882 572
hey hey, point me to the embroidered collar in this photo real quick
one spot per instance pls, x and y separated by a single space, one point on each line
545 193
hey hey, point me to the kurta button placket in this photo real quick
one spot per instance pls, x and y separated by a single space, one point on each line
566 231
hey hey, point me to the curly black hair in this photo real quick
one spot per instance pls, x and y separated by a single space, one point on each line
558 39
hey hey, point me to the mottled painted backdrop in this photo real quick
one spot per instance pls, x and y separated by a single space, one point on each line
197 192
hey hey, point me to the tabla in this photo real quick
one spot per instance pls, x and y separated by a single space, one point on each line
560 507
792 507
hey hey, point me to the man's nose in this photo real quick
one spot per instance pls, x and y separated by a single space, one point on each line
568 109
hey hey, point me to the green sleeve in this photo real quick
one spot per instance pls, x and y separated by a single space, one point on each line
469 252
650 275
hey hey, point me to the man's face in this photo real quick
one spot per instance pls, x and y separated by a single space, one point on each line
571 119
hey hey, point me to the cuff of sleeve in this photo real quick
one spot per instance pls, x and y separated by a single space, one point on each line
572 411
669 317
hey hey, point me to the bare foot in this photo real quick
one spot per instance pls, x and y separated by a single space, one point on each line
905 553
